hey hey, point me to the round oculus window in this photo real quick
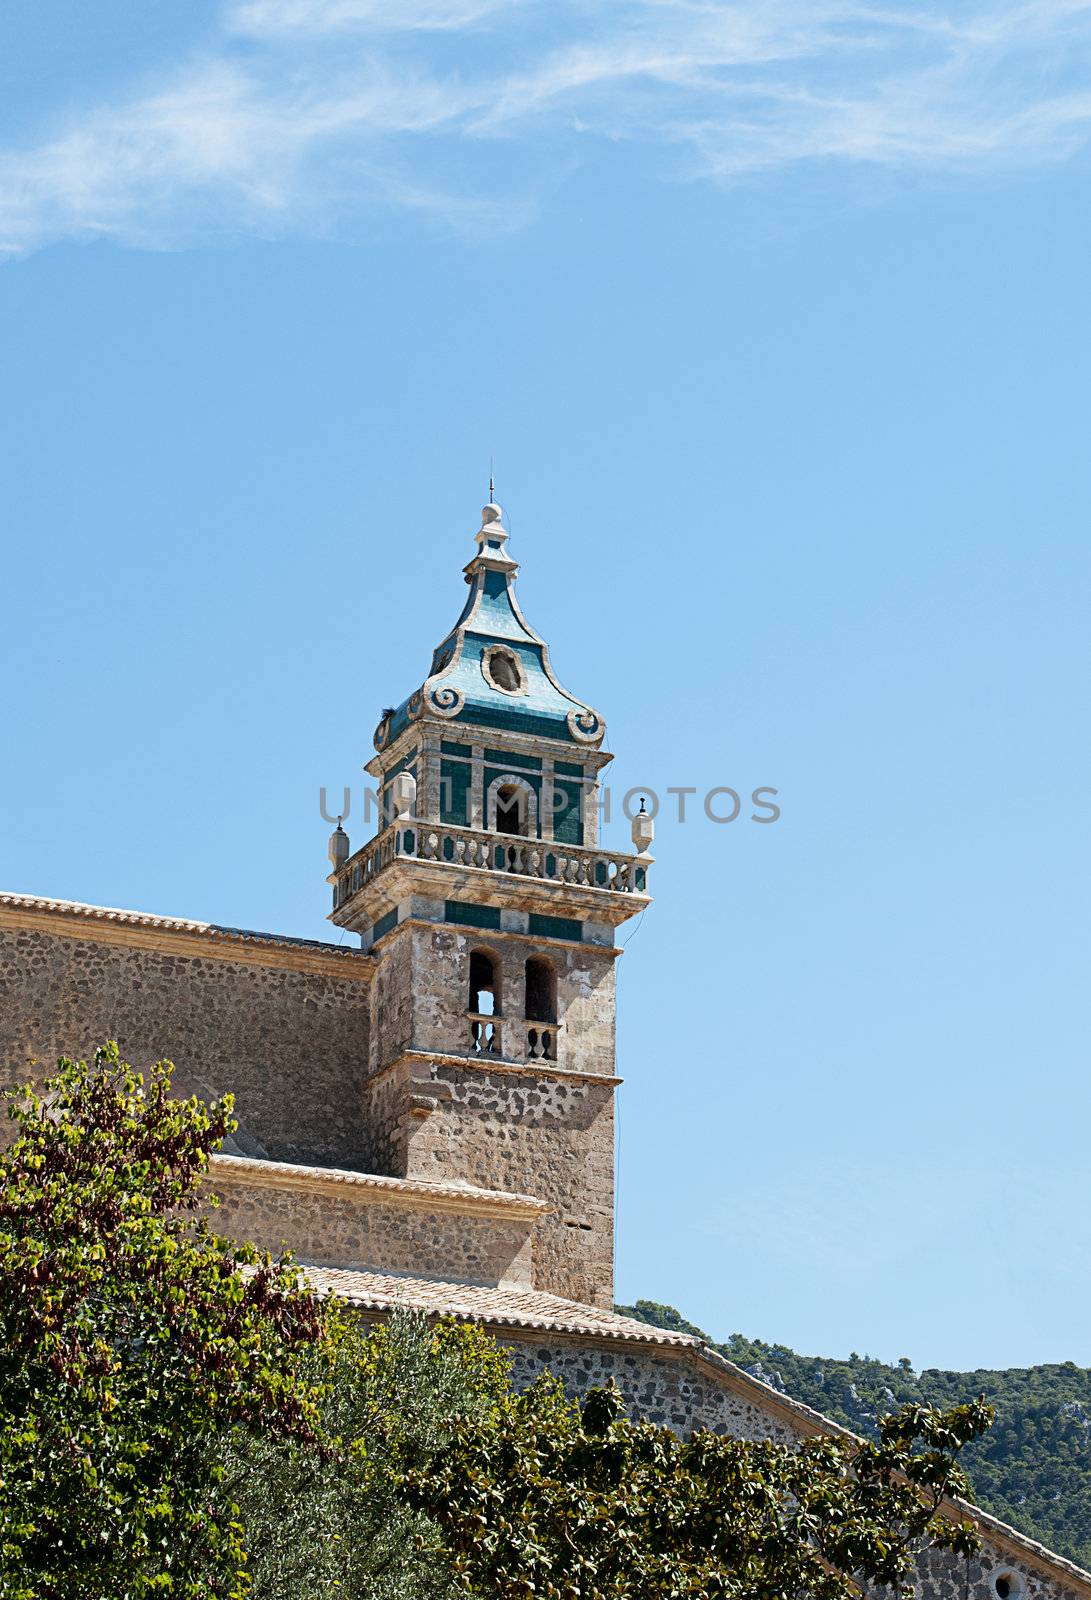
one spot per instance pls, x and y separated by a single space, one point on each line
503 671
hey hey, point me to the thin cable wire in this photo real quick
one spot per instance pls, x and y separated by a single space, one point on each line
617 1172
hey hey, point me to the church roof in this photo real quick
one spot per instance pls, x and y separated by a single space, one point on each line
151 919
111 924
509 1307
492 669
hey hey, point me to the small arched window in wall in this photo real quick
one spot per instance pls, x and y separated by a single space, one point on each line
540 1009
511 806
510 810
484 1003
484 989
541 991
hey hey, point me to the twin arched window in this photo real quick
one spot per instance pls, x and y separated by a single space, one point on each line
539 987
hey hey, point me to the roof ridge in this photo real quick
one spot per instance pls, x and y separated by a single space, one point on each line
151 919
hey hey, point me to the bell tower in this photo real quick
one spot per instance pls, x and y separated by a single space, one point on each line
491 912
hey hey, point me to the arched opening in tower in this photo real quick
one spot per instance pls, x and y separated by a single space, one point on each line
511 809
484 989
541 990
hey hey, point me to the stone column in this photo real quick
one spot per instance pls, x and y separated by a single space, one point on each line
428 781
545 806
477 786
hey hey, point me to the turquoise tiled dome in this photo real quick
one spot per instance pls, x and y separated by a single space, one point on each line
492 669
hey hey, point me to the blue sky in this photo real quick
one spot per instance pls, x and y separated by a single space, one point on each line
775 321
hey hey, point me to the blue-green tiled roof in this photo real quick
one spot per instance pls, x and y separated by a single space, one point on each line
459 689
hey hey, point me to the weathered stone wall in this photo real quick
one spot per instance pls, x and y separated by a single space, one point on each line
529 1131
392 1000
291 1045
354 1226
388 1122
658 1387
947 1577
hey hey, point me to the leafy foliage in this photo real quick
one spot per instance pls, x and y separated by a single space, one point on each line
129 1338
545 1500
337 1521
1032 1469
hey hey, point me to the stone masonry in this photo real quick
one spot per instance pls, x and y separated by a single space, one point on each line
350 1219
283 1027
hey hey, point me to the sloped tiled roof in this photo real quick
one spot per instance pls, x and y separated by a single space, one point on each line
499 1307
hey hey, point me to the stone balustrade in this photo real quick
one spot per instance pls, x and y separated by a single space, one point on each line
484 1037
362 868
511 1039
541 1041
491 852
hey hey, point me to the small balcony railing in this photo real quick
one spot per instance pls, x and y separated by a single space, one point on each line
509 1038
491 852
541 1041
484 1034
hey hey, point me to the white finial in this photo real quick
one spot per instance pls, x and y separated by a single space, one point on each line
492 534
339 846
403 792
490 539
643 830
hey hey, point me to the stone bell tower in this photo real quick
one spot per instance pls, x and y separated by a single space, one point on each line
491 912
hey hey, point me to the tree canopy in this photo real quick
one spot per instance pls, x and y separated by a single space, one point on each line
550 1500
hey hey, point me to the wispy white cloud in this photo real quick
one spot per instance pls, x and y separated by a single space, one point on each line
304 115
269 18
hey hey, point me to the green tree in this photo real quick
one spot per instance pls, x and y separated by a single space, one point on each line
130 1339
546 1500
335 1520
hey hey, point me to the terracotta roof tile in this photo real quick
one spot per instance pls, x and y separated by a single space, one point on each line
500 1307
